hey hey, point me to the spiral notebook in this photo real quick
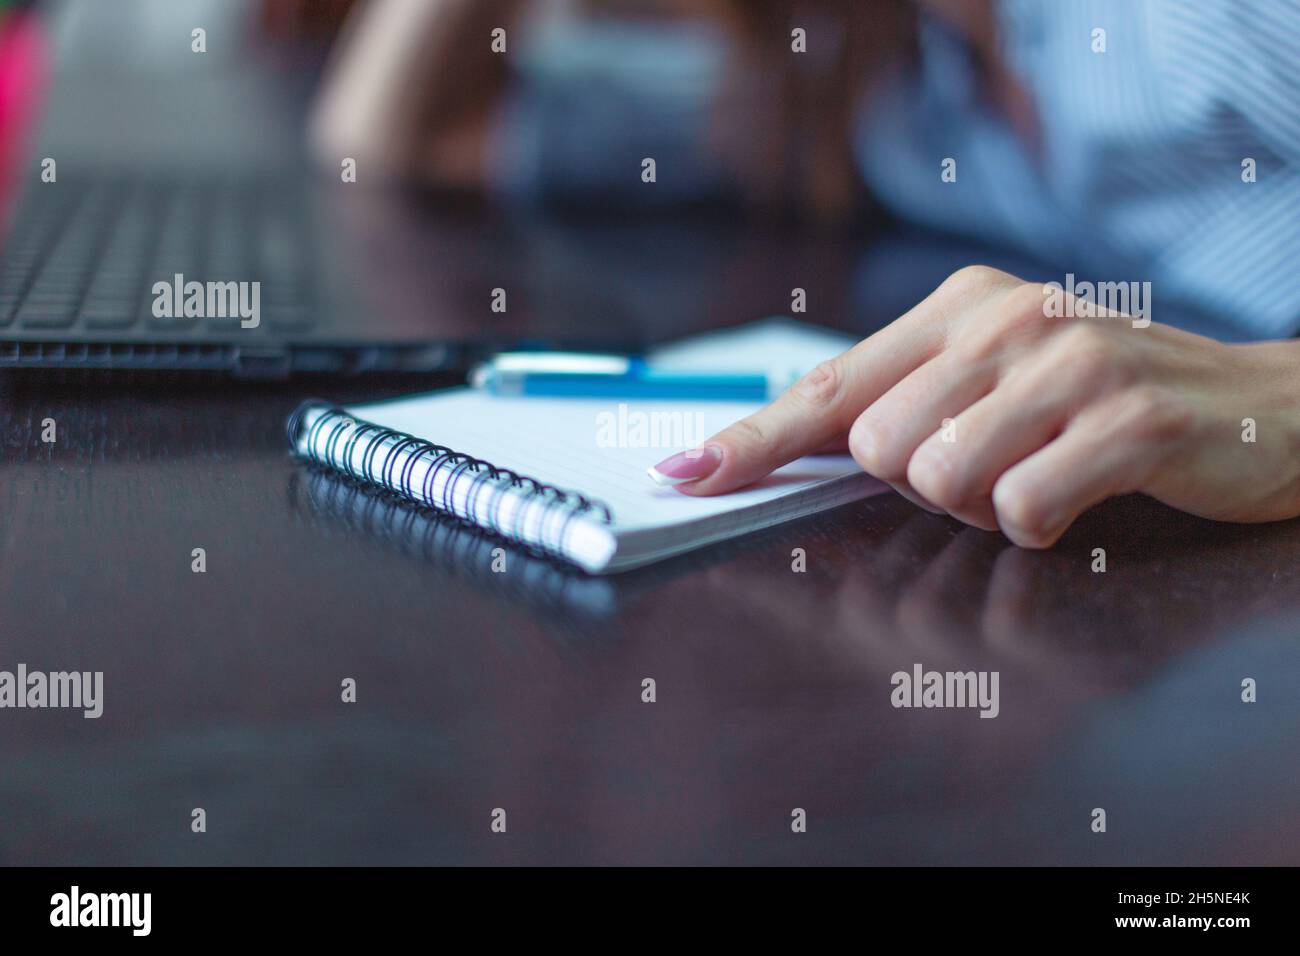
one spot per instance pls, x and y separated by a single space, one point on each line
563 477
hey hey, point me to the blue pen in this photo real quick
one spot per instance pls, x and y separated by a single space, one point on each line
586 375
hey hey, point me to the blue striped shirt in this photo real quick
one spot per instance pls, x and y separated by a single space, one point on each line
1140 174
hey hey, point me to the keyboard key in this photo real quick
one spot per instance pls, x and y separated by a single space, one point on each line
175 324
288 318
89 256
226 325
106 314
48 316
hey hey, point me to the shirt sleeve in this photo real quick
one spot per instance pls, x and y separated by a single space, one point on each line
1239 56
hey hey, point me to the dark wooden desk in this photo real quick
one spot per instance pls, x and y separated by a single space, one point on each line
522 691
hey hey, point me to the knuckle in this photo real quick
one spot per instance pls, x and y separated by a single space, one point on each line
745 434
1021 316
931 473
1092 353
1088 350
1022 514
821 388
1082 335
970 278
871 445
1030 539
987 344
1028 302
1156 414
1018 319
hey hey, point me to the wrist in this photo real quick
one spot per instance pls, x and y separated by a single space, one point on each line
1274 368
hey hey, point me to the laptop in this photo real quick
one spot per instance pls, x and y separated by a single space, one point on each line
183 227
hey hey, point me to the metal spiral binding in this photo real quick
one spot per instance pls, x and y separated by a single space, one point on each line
341 433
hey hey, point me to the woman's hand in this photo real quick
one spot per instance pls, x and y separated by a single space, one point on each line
977 403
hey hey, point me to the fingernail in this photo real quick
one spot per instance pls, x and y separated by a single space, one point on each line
686 466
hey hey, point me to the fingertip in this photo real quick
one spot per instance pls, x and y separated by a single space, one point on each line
687 467
708 487
1034 537
728 475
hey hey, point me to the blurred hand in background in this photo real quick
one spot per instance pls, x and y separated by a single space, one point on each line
420 90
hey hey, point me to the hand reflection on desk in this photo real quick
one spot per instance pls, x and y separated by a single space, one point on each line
773 692
788 680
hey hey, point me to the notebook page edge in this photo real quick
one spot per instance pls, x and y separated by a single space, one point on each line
803 503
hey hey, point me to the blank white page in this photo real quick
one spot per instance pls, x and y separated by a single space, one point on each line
778 346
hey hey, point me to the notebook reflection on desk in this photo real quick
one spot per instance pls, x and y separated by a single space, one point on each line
450 545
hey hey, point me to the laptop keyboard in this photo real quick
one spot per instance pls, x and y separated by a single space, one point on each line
87 257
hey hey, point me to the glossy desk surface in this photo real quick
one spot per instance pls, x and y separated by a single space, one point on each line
523 691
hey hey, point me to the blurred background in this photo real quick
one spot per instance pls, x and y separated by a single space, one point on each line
428 152
795 144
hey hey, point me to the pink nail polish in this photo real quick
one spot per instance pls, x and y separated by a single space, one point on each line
687 466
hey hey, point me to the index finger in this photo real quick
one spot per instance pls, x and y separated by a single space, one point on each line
814 412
